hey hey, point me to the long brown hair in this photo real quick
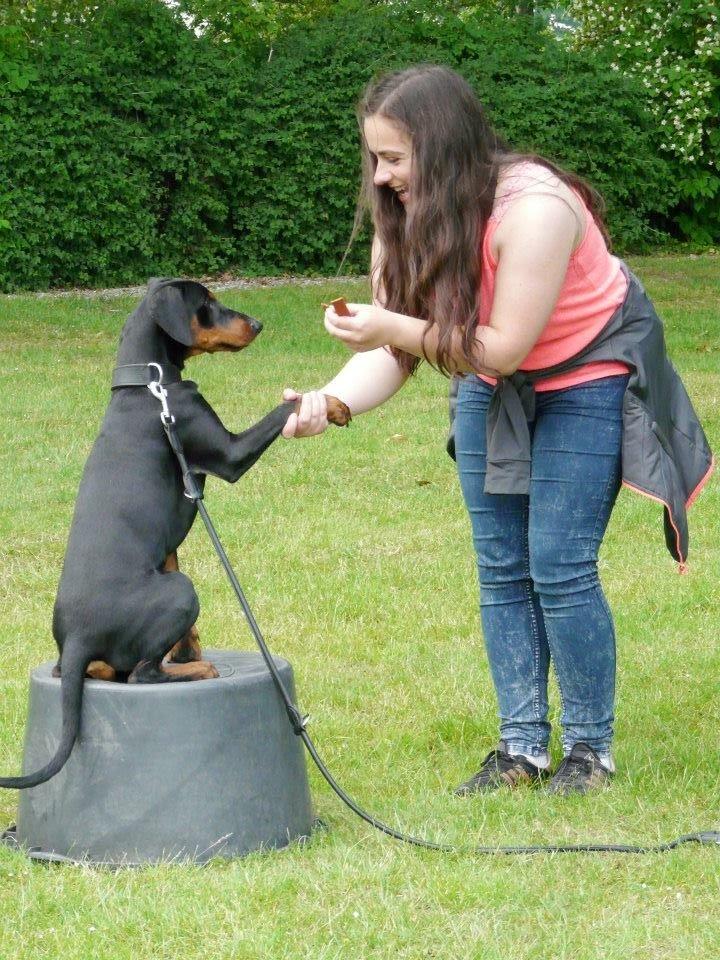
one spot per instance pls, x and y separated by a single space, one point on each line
430 266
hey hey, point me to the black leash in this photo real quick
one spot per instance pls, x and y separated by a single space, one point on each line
299 722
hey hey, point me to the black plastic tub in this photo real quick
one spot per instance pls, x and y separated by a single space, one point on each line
175 771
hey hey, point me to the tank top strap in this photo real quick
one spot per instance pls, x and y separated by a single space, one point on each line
526 179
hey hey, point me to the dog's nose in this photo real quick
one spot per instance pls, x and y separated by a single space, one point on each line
255 325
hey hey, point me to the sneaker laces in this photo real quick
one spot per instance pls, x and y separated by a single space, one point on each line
501 766
582 759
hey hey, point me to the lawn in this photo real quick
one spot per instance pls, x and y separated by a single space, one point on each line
355 554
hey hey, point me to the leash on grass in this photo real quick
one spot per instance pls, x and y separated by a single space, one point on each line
299 722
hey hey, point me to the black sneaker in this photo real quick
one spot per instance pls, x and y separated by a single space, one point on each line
580 771
500 769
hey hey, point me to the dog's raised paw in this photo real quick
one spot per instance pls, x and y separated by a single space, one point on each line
337 411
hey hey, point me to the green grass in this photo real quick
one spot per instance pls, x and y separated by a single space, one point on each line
355 554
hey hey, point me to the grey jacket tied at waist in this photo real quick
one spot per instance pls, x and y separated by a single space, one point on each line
665 454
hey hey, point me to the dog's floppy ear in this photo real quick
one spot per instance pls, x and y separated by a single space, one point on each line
173 303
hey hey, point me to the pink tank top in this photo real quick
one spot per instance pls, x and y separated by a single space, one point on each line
594 288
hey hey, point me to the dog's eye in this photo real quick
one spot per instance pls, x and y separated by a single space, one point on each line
203 315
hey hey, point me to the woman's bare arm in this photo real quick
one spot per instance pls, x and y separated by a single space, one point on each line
366 381
534 243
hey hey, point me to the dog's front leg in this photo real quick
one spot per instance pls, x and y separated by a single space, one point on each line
246 448
210 448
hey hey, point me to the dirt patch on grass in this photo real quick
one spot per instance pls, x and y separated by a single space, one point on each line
224 282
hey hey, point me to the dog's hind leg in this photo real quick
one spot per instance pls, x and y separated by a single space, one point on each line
172 612
186 650
155 671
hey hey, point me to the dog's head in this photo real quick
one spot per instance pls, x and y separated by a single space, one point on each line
188 313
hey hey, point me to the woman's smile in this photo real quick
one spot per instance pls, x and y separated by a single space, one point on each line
391 149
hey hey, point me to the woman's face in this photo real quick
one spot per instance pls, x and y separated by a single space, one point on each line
392 148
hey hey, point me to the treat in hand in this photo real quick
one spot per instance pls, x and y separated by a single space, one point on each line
340 307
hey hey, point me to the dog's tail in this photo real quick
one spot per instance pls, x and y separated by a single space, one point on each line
73 664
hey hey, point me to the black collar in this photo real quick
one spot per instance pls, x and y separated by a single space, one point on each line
142 374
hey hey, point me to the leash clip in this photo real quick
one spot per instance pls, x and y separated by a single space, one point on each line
298 721
160 393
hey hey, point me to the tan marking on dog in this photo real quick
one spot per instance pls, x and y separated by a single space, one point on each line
234 336
99 670
186 650
337 411
199 670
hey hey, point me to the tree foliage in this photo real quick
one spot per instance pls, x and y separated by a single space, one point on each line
673 48
144 147
542 98
117 161
254 25
36 19
257 25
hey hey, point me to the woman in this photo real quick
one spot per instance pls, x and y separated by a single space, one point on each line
489 263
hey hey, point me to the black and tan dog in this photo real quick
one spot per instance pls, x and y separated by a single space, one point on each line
123 609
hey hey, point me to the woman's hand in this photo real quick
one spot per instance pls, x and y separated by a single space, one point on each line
311 418
367 328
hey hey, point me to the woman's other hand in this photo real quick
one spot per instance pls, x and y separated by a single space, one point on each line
367 326
310 418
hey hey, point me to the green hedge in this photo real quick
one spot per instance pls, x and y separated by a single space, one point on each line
141 149
114 164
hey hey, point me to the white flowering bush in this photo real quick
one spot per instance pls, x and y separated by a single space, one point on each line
673 48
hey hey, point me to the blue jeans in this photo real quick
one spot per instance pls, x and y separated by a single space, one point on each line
540 595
